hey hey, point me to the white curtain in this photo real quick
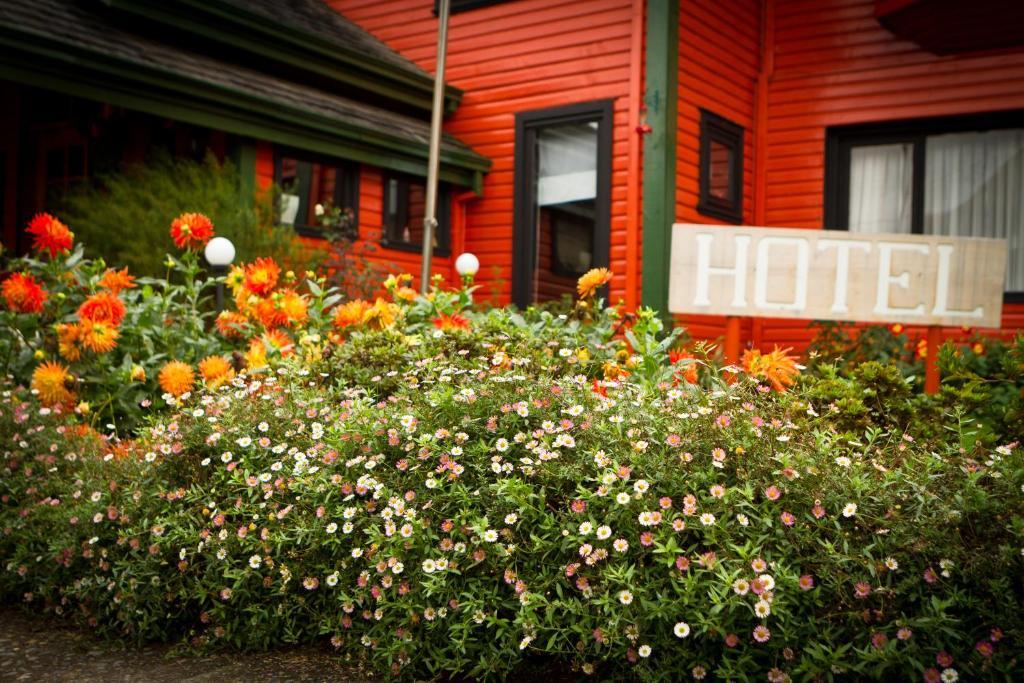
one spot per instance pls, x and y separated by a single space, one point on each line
567 160
974 187
881 188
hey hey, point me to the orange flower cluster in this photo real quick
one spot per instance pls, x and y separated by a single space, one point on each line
99 318
591 281
52 382
687 373
50 235
191 231
115 281
777 368
176 378
23 294
215 371
451 322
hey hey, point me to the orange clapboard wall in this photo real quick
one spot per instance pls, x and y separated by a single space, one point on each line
719 62
834 64
507 58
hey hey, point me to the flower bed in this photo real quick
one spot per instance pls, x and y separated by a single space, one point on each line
446 491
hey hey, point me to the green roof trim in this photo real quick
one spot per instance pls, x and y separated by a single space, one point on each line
228 24
43 61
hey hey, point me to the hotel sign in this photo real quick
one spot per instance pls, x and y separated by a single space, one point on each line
833 275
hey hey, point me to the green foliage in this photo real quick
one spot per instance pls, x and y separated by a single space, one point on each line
124 218
458 499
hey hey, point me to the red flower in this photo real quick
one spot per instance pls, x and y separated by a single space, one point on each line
49 234
261 276
191 230
451 322
23 294
102 307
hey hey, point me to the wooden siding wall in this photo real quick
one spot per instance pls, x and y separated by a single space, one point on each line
507 58
719 62
828 63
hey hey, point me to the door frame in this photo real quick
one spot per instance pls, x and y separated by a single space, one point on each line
524 233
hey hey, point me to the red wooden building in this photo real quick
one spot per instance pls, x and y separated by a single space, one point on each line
580 131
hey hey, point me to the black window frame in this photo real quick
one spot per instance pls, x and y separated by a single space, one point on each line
456 6
444 214
840 141
523 231
716 128
346 192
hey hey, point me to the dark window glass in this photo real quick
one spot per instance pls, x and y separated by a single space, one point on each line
405 205
721 168
306 183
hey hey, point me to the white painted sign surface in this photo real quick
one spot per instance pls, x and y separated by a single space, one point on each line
836 275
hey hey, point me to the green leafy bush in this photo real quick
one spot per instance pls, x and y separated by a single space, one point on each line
123 218
456 492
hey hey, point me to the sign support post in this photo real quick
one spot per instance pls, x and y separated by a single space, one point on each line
931 367
732 339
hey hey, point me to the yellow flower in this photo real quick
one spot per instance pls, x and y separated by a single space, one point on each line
68 336
176 378
50 380
256 356
591 281
138 373
382 315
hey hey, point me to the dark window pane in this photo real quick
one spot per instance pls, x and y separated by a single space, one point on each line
719 171
405 206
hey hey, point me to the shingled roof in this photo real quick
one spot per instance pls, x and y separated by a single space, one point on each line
73 47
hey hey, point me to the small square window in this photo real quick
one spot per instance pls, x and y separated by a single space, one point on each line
405 205
306 182
721 168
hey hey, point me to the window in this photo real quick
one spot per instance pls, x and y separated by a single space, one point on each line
405 205
960 176
721 168
562 190
307 181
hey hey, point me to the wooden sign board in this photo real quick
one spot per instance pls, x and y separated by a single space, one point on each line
836 275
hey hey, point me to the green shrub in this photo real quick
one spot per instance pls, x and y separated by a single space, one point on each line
457 505
124 218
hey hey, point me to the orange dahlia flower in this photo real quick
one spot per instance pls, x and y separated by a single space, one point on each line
256 356
451 322
23 293
261 276
350 313
231 324
99 336
294 307
68 337
777 368
268 312
117 280
49 234
176 378
687 373
215 370
103 307
51 381
191 231
591 281
279 341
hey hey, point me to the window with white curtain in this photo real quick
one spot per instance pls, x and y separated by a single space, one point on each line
935 180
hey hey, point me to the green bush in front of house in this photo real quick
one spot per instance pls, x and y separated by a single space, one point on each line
458 492
122 217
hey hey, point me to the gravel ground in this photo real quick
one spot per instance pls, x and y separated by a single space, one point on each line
39 648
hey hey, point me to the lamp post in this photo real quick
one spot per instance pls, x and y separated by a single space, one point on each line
219 253
434 154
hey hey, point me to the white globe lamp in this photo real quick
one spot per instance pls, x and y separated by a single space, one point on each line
219 253
467 265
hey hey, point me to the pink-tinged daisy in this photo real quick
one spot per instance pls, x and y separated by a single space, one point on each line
806 582
761 633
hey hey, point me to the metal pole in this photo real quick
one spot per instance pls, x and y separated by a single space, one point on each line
433 163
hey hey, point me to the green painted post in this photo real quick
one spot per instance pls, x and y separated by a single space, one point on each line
243 155
659 181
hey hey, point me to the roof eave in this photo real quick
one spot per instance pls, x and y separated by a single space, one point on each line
254 33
